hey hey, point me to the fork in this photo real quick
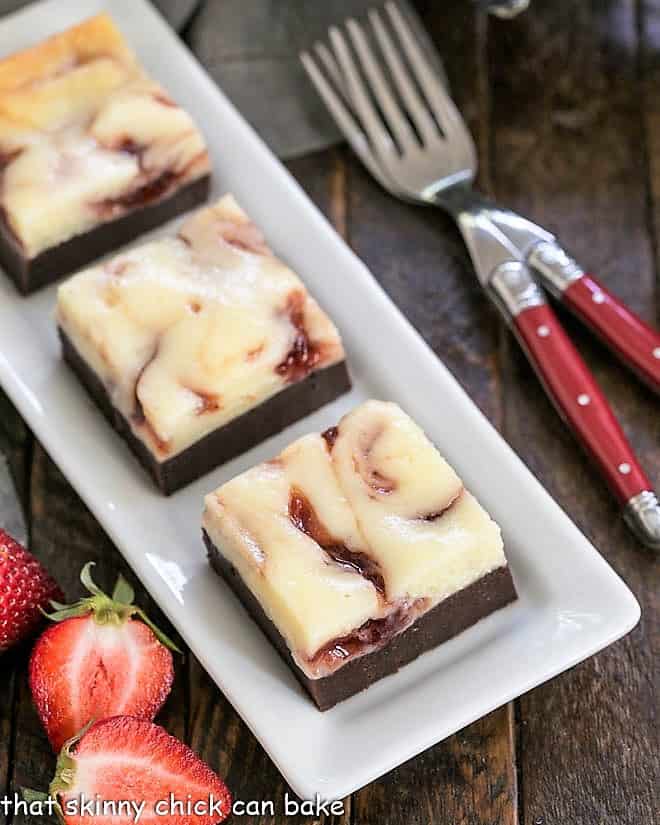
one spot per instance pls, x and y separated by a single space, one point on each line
399 119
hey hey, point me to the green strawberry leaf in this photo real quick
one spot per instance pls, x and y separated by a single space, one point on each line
80 608
106 610
88 582
30 795
123 592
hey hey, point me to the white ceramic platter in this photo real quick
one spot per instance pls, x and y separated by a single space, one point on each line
571 603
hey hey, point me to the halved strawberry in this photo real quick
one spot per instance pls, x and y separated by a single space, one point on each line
129 760
25 589
99 661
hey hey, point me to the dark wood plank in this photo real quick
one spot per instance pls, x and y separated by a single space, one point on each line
7 688
649 66
569 151
15 445
64 537
223 740
419 258
468 779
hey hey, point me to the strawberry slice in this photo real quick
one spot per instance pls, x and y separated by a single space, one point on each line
99 661
135 762
25 590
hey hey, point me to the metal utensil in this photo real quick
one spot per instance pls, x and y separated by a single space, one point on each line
503 8
633 341
407 131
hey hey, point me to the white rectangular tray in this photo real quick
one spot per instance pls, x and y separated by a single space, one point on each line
571 603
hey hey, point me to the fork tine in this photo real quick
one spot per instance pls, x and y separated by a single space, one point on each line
414 104
378 135
434 90
343 118
331 67
380 87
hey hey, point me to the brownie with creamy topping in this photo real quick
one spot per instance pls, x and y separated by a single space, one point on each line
93 152
199 345
356 550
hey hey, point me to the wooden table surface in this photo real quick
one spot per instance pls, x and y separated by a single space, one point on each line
565 105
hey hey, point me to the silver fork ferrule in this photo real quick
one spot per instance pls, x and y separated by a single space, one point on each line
514 289
642 515
507 9
557 269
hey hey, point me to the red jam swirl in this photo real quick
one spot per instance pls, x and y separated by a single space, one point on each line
330 436
372 635
363 464
208 402
304 355
245 236
139 418
149 192
438 514
7 157
304 517
131 147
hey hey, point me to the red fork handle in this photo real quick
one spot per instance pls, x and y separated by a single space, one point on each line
634 341
579 400
570 385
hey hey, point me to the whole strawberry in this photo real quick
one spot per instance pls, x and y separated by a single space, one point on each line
25 590
138 772
102 657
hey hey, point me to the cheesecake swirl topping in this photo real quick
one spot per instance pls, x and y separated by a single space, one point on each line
86 136
363 529
191 331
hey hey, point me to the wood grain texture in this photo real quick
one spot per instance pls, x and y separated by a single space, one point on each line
569 145
649 75
16 444
468 780
223 740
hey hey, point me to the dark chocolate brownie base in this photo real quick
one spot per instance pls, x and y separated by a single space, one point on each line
32 274
225 443
452 616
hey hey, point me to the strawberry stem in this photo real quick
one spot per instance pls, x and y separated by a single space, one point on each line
65 769
65 776
106 610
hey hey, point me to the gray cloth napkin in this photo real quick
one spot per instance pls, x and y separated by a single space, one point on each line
251 48
176 11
